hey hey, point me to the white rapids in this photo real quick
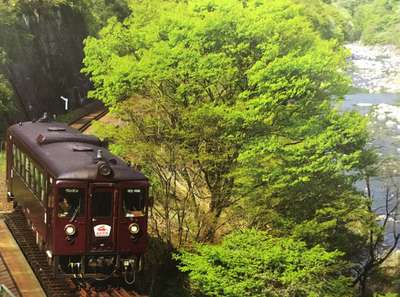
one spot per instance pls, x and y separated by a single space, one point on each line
375 68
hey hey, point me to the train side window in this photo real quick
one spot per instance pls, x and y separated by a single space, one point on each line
133 200
37 182
33 179
14 151
17 159
50 201
31 175
70 202
26 172
102 204
42 186
21 163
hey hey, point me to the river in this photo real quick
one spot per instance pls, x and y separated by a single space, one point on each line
375 72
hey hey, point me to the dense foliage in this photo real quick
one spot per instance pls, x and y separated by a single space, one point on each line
97 12
375 21
235 101
255 264
332 21
7 104
6 97
379 21
229 108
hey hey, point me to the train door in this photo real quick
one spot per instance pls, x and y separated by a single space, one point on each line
102 217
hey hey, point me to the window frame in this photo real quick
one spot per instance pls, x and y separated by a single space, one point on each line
82 203
31 173
123 190
112 201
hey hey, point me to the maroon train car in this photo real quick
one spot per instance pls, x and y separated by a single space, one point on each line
87 208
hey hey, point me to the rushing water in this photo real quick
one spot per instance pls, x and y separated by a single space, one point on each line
376 68
376 71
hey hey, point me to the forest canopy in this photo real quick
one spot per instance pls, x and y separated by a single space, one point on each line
374 21
229 107
251 263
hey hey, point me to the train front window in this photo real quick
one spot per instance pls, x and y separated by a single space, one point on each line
102 204
133 200
70 202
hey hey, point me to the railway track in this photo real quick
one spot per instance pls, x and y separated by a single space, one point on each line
114 292
37 259
7 281
84 121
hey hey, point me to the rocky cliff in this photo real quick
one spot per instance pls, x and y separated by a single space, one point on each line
45 64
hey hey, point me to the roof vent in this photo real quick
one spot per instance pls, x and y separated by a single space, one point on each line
82 149
48 138
55 129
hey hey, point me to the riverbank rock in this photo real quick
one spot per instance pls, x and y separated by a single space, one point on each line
375 68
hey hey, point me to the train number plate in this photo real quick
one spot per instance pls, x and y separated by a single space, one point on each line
102 230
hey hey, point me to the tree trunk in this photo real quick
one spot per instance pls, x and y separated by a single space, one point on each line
363 286
215 211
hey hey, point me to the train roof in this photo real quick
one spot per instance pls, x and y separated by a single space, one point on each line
68 154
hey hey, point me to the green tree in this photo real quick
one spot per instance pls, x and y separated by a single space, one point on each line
378 21
7 104
6 96
97 12
300 183
330 20
255 264
219 85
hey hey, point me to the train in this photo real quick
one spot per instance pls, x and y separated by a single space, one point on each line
86 207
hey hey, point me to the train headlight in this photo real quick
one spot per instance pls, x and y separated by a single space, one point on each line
105 170
134 228
70 229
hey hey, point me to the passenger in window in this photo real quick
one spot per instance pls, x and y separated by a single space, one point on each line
70 203
133 202
64 208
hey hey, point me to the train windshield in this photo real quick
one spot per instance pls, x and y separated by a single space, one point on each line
70 202
102 204
133 200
